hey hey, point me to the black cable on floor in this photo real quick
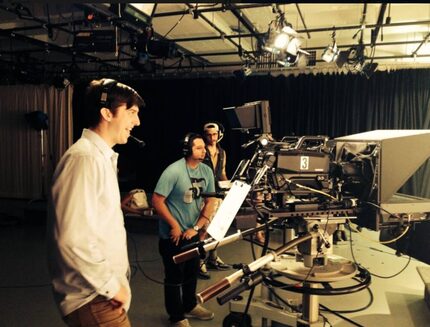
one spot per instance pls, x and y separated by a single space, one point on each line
341 316
139 267
373 274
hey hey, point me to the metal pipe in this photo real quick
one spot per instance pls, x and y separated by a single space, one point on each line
204 10
420 45
375 32
38 27
226 282
214 27
205 54
117 21
303 20
51 46
245 22
310 30
197 250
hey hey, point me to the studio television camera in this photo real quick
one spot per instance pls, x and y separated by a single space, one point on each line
314 174
310 186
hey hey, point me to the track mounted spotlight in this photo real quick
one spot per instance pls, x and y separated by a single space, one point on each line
283 41
331 53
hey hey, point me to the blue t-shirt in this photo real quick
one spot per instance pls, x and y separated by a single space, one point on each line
182 185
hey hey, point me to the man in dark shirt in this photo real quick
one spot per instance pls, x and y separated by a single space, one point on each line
216 159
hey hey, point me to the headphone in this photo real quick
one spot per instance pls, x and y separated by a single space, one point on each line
187 143
107 85
218 127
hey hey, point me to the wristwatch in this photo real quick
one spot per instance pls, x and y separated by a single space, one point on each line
196 228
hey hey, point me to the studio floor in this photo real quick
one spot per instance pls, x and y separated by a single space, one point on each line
26 299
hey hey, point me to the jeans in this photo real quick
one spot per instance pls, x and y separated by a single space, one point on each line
99 312
180 279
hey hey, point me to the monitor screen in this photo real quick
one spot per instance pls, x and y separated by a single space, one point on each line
251 115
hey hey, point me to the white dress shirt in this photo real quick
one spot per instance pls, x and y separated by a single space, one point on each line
87 246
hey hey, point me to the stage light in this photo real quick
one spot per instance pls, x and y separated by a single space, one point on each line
287 61
290 56
369 69
355 60
243 72
142 63
342 58
283 41
294 47
279 38
247 70
331 53
163 49
60 82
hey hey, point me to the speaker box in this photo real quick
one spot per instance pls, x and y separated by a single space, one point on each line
38 120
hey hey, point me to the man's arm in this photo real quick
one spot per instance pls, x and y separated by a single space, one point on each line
223 172
159 203
207 213
205 217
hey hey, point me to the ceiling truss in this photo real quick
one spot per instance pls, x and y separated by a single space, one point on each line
29 43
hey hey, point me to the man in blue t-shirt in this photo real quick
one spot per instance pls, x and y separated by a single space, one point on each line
185 216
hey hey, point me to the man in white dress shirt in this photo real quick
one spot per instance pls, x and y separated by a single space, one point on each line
87 246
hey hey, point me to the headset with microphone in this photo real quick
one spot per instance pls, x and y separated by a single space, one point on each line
218 128
140 143
187 143
107 85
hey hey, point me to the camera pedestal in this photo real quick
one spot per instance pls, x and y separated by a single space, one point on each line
311 267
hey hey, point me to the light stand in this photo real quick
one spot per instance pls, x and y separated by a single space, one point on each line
38 120
36 208
42 164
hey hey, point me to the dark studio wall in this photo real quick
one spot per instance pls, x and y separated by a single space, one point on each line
332 105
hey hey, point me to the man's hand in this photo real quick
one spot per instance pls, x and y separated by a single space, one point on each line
175 234
203 235
189 234
120 298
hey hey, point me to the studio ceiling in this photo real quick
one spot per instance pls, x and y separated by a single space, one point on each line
38 40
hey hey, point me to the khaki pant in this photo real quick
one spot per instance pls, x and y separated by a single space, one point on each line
98 313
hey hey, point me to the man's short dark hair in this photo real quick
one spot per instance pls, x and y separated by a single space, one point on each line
117 94
188 142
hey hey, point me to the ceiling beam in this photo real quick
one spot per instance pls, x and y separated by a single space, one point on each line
132 29
204 10
238 64
229 53
205 54
303 20
216 28
379 22
246 22
50 46
44 45
420 45
38 27
312 30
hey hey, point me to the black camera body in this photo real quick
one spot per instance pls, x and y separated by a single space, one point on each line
358 175
308 168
